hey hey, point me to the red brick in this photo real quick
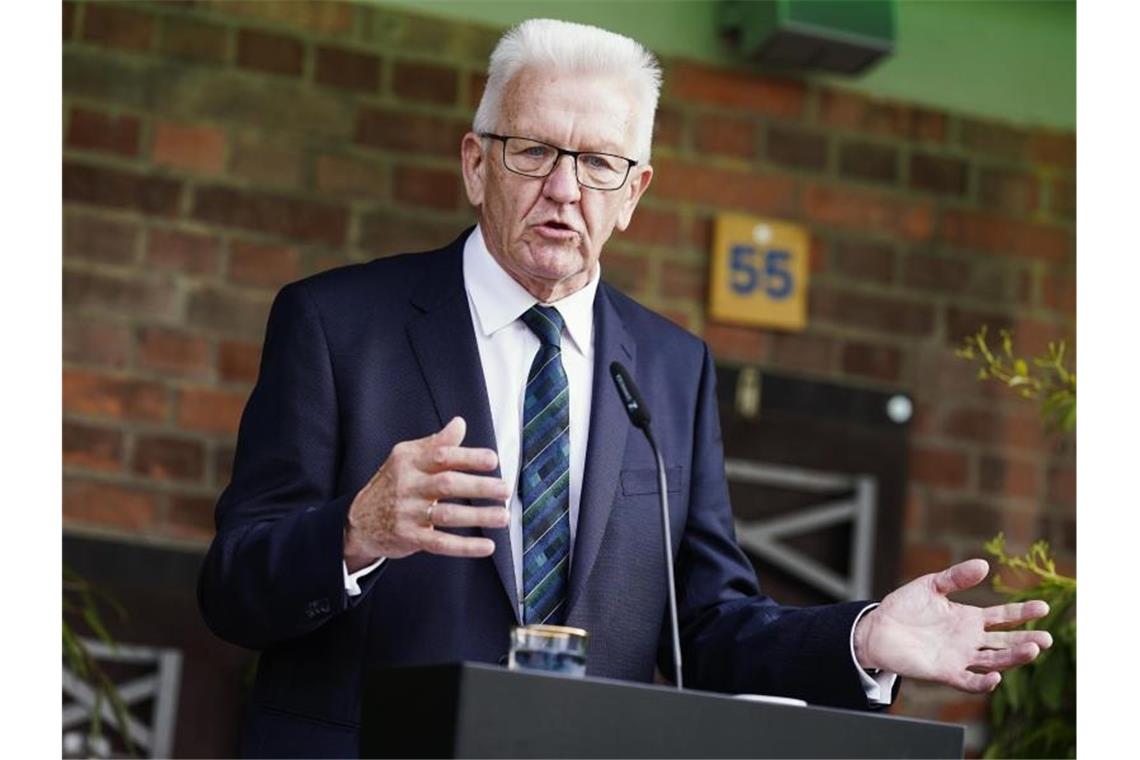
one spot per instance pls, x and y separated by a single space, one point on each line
325 17
1063 485
476 84
795 148
1006 237
190 517
872 361
652 227
173 351
68 20
938 467
883 313
425 82
874 262
735 89
937 174
744 344
263 265
868 212
93 238
726 136
117 26
1059 293
431 188
817 256
91 130
161 457
126 295
238 361
801 352
624 271
869 161
701 232
936 274
388 231
848 110
748 191
304 221
193 39
268 162
668 127
210 410
993 139
684 280
272 53
196 148
923 559
188 252
107 505
1009 478
223 310
101 395
223 465
87 341
1063 199
91 447
415 133
678 317
998 430
115 188
352 175
1030 337
978 521
1010 191
1054 149
348 69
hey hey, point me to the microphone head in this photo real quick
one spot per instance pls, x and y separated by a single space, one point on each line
630 397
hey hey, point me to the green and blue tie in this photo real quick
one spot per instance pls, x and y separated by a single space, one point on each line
544 480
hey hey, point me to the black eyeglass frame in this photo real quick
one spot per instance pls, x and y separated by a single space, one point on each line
560 153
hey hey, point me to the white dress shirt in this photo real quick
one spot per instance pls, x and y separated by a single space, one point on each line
507 348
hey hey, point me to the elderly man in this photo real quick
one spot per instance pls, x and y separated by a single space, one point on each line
433 452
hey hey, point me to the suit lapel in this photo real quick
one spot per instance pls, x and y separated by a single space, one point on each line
443 339
605 451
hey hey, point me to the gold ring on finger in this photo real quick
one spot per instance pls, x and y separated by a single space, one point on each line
430 509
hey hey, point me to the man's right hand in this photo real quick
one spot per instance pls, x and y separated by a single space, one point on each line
398 511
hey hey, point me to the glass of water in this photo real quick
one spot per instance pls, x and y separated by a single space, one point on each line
550 649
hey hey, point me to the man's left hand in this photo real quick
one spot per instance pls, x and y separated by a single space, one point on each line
917 632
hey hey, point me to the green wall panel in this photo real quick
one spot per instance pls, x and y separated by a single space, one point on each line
1009 60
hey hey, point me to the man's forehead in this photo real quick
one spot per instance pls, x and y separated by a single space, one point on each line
548 105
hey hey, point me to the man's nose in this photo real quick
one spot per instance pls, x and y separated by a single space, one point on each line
562 182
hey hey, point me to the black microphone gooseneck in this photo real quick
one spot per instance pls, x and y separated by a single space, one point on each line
639 416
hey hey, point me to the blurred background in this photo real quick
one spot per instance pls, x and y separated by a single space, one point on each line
217 150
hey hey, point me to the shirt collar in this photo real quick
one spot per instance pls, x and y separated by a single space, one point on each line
499 300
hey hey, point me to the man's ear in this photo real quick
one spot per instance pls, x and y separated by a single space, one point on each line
638 183
474 161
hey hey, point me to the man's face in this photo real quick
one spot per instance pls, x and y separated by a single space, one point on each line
548 232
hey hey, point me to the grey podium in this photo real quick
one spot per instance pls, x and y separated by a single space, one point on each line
473 710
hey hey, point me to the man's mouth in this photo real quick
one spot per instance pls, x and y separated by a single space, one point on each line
555 230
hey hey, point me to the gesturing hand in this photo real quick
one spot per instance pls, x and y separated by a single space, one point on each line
918 632
397 511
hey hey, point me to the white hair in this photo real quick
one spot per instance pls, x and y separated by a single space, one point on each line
573 49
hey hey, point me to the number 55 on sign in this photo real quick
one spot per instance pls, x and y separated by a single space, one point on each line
759 272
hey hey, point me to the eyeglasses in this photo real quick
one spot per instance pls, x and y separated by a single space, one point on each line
533 158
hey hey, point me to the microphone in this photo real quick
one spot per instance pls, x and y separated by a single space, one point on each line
639 417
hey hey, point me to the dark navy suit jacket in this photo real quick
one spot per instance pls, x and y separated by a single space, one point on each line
362 357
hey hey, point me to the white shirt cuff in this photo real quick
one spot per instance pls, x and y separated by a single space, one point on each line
352 580
878 685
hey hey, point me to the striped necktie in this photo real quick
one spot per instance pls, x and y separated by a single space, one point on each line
544 481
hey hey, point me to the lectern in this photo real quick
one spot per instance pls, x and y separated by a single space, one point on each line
470 710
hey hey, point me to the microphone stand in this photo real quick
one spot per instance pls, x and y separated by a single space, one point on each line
662 490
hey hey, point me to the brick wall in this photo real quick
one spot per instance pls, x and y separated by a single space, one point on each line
216 150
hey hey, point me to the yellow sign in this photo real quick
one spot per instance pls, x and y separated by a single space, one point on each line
759 272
